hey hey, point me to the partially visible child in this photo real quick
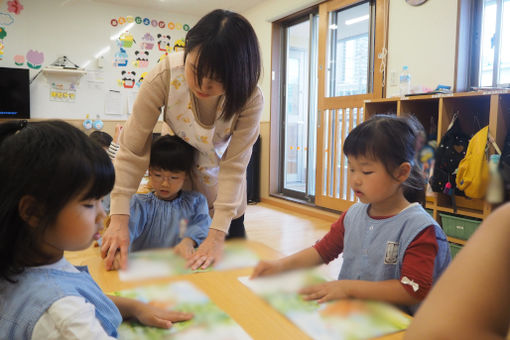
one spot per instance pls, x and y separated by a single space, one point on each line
111 146
51 181
168 216
472 298
393 250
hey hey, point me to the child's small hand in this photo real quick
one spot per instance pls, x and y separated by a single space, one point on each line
118 130
116 262
323 292
265 268
158 317
185 248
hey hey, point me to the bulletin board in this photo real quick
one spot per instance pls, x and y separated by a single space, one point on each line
115 46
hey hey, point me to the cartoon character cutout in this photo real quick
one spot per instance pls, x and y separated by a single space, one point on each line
142 59
126 39
147 42
128 79
120 58
179 45
140 80
164 43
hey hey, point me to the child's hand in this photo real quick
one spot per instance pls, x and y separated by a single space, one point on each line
118 129
158 317
185 248
333 290
265 268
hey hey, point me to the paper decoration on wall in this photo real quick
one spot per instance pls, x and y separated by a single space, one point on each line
163 42
121 58
126 39
35 59
142 59
87 123
128 79
209 321
19 60
63 93
3 34
14 6
179 45
6 19
140 80
147 42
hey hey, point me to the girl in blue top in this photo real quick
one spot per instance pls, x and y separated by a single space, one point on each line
168 216
52 178
393 250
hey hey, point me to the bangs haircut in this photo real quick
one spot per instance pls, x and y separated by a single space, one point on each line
228 52
171 153
390 140
53 162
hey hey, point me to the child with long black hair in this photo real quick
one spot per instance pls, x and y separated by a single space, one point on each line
52 179
393 250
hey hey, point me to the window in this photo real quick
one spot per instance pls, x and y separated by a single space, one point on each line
492 55
299 106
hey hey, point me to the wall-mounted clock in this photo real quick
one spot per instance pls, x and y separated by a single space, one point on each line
415 2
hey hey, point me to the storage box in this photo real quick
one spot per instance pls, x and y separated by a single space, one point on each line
454 249
459 227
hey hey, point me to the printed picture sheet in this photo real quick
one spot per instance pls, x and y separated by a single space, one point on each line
163 262
340 320
209 321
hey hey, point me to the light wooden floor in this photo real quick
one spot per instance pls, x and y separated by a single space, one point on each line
286 231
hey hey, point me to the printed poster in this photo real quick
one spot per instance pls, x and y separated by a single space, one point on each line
340 320
209 321
163 262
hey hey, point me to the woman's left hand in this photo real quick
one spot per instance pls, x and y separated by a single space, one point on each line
323 292
209 252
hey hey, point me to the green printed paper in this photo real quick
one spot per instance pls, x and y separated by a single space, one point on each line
163 263
209 321
340 320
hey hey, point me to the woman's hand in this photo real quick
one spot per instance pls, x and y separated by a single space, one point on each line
209 252
323 292
265 268
116 237
185 248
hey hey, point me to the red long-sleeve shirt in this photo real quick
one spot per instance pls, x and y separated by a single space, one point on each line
419 257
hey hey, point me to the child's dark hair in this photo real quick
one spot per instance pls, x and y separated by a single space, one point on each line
102 138
51 162
171 153
228 50
391 140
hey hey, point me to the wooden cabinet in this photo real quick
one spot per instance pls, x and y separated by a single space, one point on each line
475 110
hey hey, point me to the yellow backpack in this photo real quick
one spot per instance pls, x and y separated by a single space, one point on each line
473 170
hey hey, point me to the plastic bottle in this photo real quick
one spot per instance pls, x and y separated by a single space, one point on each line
495 190
405 81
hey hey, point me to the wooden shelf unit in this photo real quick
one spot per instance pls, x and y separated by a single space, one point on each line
475 110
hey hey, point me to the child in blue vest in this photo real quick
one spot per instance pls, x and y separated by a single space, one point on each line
52 178
393 250
168 216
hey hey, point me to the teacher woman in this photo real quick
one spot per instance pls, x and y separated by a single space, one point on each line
210 98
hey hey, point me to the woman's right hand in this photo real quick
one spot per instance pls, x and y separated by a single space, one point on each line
116 238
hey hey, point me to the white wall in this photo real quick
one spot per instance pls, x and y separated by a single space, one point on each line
79 30
423 38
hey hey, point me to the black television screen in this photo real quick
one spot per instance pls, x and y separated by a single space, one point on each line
14 93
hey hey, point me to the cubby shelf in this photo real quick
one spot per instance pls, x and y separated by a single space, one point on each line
475 110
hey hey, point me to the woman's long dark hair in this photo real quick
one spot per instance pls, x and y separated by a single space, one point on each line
391 140
52 162
228 50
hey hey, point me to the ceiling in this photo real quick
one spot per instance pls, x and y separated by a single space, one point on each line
190 7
